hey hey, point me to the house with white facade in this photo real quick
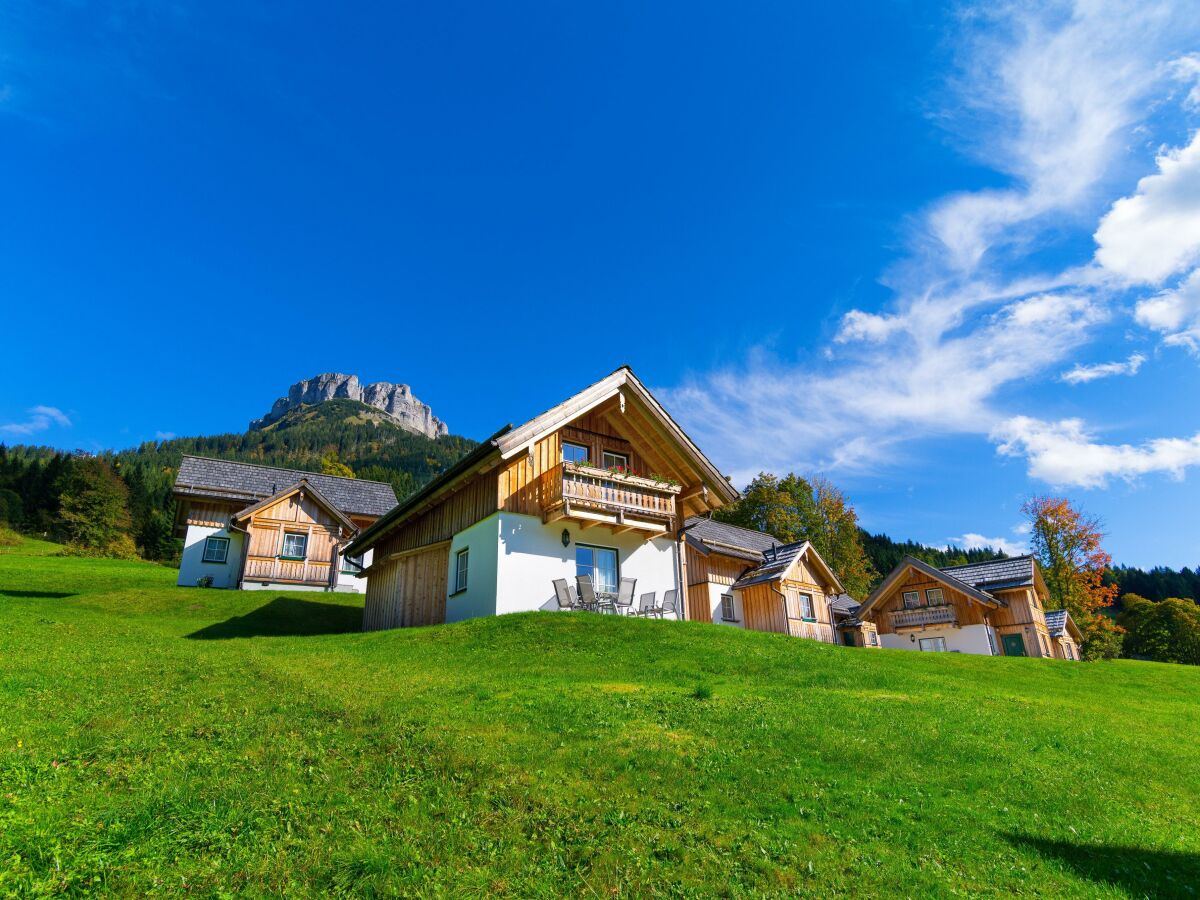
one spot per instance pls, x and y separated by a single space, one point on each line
600 485
994 608
255 527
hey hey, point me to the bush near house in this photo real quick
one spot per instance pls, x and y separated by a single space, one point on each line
177 742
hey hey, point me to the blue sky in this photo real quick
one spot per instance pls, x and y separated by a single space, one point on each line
946 255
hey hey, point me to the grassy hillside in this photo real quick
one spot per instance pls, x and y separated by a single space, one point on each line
181 741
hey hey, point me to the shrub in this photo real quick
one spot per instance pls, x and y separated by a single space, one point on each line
204 581
702 692
8 537
1167 631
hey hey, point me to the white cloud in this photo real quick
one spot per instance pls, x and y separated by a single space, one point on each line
1155 233
1187 69
40 418
973 541
1175 313
1065 454
164 435
1050 97
1082 374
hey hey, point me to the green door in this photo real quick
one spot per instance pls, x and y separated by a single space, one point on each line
1014 645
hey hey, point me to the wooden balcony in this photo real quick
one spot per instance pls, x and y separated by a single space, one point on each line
286 571
595 496
921 616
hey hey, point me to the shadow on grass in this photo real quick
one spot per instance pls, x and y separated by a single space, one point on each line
45 595
286 617
1136 870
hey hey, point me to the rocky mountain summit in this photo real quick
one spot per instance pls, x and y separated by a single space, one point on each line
396 401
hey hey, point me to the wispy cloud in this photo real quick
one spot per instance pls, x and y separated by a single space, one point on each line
164 435
1066 454
40 418
973 541
1082 374
1050 97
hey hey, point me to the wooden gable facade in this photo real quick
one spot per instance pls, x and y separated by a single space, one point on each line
780 605
641 475
317 529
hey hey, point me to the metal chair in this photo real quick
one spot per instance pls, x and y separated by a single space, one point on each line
563 594
669 604
624 602
587 593
646 605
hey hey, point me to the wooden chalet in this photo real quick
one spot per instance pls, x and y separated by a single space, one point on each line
991 608
252 526
747 579
599 485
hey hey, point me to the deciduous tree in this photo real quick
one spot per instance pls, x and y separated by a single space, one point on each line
1067 544
94 510
793 508
1167 631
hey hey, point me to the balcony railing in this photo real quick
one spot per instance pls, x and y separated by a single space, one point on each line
629 499
294 571
924 615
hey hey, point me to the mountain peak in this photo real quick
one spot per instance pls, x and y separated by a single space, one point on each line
396 401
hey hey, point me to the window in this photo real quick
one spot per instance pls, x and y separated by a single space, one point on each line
615 460
806 607
873 637
600 563
912 599
933 596
728 613
933 645
574 453
216 549
461 564
295 546
352 565
1070 653
1045 645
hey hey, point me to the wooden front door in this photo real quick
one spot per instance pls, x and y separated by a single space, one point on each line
1014 645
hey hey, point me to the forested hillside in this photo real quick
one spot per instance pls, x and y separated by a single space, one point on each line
350 432
885 553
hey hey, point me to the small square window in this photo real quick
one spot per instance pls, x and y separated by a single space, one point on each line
295 546
933 596
912 599
574 453
728 613
615 460
933 645
462 564
873 637
352 565
806 607
216 549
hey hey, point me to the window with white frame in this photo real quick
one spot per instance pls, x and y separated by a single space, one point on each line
462 562
352 565
912 599
574 453
728 613
873 638
295 546
805 602
934 597
216 549
615 460
933 645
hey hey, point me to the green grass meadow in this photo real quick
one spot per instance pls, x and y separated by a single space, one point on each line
188 742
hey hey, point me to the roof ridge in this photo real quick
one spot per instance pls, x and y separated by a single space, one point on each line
988 562
301 472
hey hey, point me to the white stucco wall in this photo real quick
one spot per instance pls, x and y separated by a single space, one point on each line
968 639
479 599
532 555
715 592
192 566
352 583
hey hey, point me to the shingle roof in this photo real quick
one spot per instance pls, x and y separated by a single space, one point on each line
200 476
844 603
775 563
1056 622
995 574
712 532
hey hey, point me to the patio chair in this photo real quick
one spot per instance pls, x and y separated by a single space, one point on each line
563 594
668 606
587 593
646 605
624 603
